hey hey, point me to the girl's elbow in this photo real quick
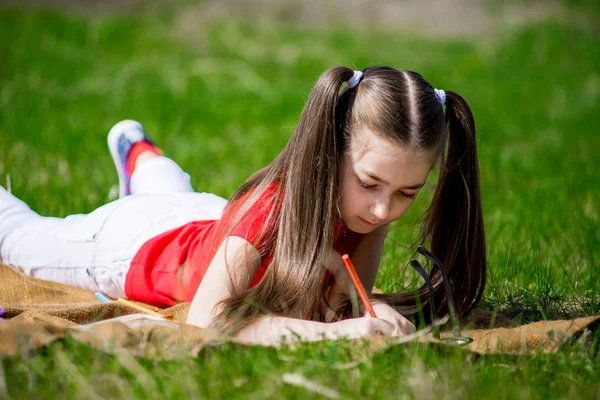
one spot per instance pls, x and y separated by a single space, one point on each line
202 318
198 321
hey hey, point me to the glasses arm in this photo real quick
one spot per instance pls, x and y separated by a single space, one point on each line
419 268
449 295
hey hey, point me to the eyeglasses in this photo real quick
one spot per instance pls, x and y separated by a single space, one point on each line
457 338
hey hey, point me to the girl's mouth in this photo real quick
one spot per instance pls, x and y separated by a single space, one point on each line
367 223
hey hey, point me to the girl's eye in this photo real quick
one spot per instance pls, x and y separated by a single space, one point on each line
408 196
405 195
365 185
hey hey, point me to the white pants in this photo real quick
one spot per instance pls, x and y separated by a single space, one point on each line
94 251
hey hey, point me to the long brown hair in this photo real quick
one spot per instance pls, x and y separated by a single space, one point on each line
400 106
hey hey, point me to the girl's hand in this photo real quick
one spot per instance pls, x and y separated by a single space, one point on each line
357 328
402 326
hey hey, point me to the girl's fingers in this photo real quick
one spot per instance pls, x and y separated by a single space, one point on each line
403 325
408 327
377 326
357 328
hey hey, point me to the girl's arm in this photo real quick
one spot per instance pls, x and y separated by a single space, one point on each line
274 330
214 288
367 256
366 259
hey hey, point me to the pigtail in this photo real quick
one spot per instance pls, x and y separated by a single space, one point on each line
311 192
454 221
307 174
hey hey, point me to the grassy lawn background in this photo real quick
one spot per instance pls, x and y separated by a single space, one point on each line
223 101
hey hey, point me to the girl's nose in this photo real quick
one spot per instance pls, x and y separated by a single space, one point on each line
381 210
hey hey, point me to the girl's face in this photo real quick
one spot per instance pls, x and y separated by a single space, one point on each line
379 180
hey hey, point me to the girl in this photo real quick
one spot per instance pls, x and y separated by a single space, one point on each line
266 266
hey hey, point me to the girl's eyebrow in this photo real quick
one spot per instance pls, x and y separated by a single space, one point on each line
378 179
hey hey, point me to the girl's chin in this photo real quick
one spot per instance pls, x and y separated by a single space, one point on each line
361 226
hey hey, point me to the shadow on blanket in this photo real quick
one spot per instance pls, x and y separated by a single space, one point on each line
39 312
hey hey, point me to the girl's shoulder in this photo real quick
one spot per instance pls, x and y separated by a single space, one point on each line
257 219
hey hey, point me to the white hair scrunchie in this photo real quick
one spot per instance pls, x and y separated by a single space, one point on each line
355 80
441 96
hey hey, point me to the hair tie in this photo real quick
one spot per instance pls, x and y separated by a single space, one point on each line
441 96
355 80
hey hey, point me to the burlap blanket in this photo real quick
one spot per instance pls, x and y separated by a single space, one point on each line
37 313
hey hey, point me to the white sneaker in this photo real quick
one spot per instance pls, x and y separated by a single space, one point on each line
121 139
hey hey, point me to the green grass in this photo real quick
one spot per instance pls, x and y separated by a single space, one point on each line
222 100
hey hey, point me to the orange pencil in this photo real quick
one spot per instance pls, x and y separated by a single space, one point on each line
142 308
358 285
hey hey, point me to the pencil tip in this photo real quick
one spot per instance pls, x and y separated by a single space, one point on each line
344 256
